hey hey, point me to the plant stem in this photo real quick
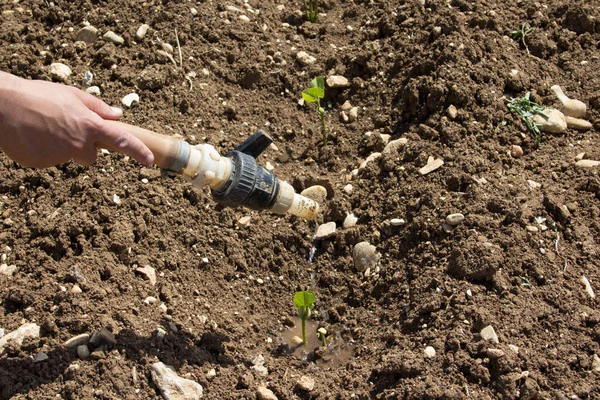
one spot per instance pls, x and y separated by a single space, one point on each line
304 330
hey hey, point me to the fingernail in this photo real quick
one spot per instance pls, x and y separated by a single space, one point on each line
149 159
117 110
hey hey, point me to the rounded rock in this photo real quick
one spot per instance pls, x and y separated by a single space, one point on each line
337 81
112 37
455 219
83 351
325 231
350 221
317 193
59 71
87 34
429 352
140 34
365 256
130 99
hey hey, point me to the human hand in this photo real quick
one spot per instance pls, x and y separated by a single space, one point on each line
43 124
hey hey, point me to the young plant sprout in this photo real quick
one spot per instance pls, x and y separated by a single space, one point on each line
314 94
311 8
304 302
322 332
527 109
519 35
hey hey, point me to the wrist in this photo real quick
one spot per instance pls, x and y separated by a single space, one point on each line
8 84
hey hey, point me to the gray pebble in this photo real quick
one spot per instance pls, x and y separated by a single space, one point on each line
83 351
455 219
365 256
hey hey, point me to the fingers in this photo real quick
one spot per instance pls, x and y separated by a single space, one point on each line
86 156
98 106
124 142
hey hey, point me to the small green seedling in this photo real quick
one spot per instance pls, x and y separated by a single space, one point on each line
314 94
311 8
527 109
519 35
322 332
304 302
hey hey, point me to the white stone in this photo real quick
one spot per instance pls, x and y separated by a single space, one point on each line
325 231
78 340
350 221
87 34
488 333
452 112
130 99
76 289
262 393
365 256
193 11
587 163
95 90
395 145
140 34
397 222
234 9
588 287
28 330
353 114
244 18
432 165
455 219
305 383
269 166
317 193
211 374
429 352
59 71
596 363
7 270
534 184
173 387
555 123
112 37
149 272
304 58
371 157
150 300
349 188
337 81
245 221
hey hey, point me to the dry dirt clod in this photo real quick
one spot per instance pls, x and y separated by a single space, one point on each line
571 107
148 272
7 270
262 393
95 90
554 124
452 112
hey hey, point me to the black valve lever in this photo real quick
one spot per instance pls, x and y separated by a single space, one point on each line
255 144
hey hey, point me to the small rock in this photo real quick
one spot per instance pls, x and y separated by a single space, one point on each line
211 374
452 112
488 333
234 9
261 370
447 227
173 327
28 330
262 393
87 34
337 81
455 219
193 11
102 337
112 37
148 272
160 333
150 300
305 383
130 99
95 90
432 165
297 340
579 156
7 270
516 151
245 221
554 124
140 34
349 188
172 386
515 349
578 124
371 157
587 163
269 166
350 221
304 58
344 116
534 184
78 340
429 352
76 289
531 228
365 256
596 363
346 106
83 351
41 356
353 114
394 146
317 192
397 222
325 231
244 18
283 158
588 287
495 354
59 71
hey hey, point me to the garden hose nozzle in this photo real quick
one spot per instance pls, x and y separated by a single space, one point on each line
235 179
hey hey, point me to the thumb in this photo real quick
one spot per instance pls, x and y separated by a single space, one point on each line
98 106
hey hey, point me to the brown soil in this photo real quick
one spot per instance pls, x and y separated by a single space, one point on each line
407 64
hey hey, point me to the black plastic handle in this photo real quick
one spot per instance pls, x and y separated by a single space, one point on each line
255 144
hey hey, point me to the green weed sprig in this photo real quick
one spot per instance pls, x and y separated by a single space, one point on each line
527 109
311 8
304 302
314 94
519 35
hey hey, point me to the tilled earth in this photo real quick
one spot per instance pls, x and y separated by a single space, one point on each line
224 289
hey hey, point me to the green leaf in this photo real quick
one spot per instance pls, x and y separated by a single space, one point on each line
315 92
307 97
305 299
318 82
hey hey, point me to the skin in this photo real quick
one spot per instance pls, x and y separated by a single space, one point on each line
43 124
